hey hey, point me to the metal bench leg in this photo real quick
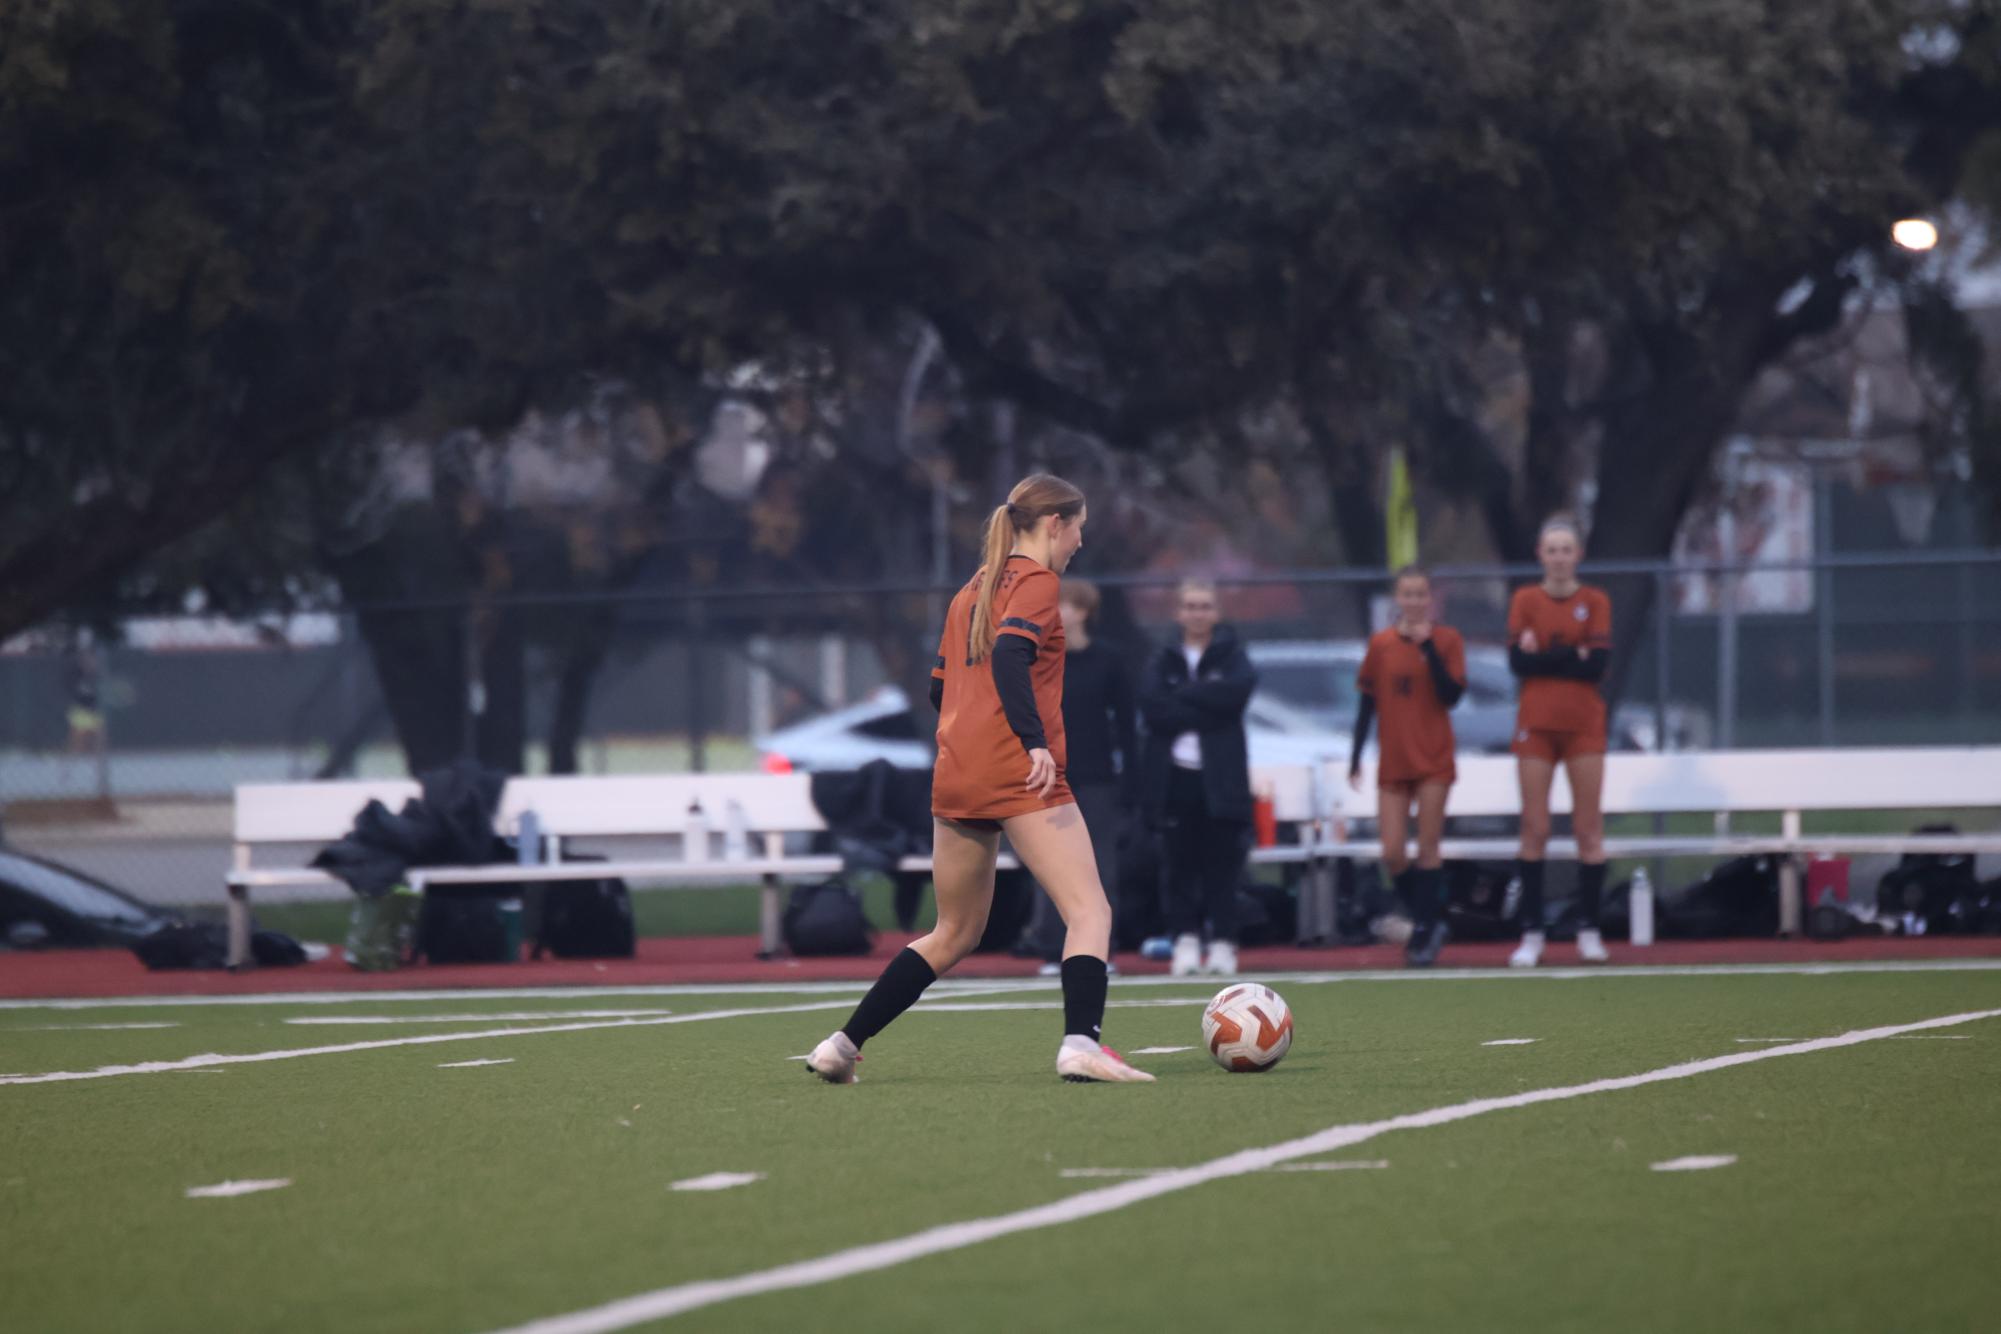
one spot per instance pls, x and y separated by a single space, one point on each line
239 927
1789 878
768 942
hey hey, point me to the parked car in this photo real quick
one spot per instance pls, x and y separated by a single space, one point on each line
882 727
1317 678
43 903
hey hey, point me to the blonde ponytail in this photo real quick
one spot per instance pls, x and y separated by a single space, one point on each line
999 543
1032 498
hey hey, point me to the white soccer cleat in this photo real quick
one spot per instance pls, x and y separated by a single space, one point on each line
1085 1062
1222 960
835 1060
1591 947
1187 956
1529 953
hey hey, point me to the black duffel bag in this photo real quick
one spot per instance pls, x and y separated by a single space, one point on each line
826 918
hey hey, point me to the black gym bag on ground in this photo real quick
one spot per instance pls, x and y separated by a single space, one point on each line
582 919
467 924
825 919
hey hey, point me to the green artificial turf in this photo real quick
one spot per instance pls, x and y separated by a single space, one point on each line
471 1199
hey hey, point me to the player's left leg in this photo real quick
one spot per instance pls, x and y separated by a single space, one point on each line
1428 933
1586 773
962 868
1055 846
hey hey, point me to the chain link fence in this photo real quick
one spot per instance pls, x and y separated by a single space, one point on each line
120 752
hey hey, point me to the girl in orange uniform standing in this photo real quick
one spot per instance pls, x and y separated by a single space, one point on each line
1559 642
1411 676
998 688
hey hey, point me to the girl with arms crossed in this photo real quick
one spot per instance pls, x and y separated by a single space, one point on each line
1559 642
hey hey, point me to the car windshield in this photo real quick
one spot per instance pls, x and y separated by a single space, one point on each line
1323 691
70 892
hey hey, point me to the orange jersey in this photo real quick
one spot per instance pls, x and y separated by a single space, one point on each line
1414 725
1582 620
982 770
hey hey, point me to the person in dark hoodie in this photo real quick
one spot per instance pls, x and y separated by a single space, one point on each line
1197 780
1103 768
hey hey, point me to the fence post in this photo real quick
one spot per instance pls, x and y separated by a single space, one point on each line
475 683
1823 523
698 736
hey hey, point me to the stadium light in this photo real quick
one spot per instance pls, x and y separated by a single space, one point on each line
1914 233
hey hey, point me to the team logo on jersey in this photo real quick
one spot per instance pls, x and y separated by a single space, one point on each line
1579 612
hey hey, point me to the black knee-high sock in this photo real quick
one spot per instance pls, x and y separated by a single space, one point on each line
1590 893
1084 987
1531 874
1428 894
894 992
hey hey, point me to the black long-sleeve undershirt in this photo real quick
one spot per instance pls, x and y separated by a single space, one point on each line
1566 663
1011 658
1365 717
1448 689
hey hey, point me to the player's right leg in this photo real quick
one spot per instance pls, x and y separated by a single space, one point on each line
1535 769
962 867
1055 846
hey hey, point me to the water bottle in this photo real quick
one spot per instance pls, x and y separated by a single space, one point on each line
736 833
1640 908
695 834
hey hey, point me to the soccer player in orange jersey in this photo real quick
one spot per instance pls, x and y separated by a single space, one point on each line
1412 674
1559 641
998 688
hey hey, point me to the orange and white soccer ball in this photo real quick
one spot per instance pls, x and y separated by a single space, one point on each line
1247 1028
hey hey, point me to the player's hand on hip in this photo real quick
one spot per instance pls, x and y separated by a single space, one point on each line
1041 772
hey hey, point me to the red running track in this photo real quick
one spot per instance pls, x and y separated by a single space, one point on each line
715 959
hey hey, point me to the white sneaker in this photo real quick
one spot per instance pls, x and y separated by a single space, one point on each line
1222 960
1591 947
1529 953
1082 1061
1187 956
835 1060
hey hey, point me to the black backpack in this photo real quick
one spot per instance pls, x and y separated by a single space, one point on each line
589 919
1938 891
464 924
826 918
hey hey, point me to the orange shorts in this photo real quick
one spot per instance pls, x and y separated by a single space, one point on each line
1407 784
1556 747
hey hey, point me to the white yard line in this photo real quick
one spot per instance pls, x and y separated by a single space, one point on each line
718 1181
683 1297
1701 1162
855 988
484 1060
512 1017
251 1058
212 1059
1087 1173
1160 1051
225 1189
1509 1042
87 1027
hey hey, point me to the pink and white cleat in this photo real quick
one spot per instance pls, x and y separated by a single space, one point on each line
1081 1061
835 1059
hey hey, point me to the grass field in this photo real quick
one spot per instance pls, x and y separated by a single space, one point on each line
1863 1190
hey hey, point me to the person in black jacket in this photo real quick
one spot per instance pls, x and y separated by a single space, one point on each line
1103 768
1196 771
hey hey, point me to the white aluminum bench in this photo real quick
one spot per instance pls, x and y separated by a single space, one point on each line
1723 783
